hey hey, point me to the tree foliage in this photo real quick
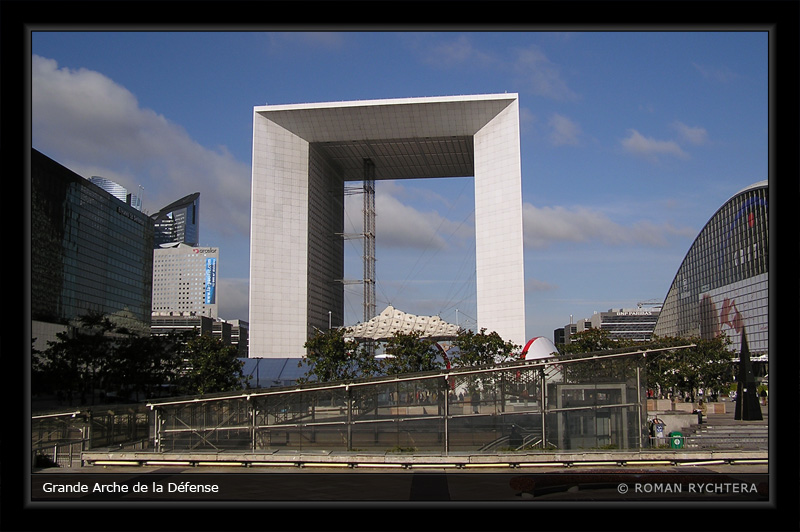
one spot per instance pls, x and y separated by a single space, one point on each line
143 365
97 360
597 341
210 366
481 349
410 353
330 356
685 371
592 340
77 363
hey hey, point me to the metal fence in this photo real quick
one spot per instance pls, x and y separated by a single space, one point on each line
556 403
59 438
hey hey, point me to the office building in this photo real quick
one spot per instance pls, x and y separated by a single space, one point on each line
90 251
239 336
302 156
178 323
632 324
185 280
118 191
722 285
179 222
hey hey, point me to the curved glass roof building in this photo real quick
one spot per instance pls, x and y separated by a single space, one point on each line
722 283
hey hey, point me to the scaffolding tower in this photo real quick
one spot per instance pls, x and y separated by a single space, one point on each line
368 237
369 240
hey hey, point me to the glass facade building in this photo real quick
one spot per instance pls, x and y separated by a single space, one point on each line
118 191
179 222
722 283
112 187
90 252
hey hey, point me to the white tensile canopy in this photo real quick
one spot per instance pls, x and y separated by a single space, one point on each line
391 321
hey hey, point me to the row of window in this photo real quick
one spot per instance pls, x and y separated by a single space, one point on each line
722 283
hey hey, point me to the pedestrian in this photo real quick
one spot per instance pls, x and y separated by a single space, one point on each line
515 438
701 411
476 401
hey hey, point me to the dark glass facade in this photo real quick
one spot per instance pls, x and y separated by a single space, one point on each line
90 252
179 222
722 284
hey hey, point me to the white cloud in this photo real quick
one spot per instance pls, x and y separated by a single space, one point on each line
545 226
648 147
532 70
455 52
563 131
399 224
535 285
527 120
94 126
720 74
693 135
538 75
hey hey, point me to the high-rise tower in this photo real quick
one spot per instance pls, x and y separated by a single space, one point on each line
179 222
185 280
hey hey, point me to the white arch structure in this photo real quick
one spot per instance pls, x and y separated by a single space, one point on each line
302 156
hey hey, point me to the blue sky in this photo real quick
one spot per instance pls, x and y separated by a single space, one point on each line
630 141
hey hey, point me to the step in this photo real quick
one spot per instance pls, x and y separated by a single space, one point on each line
732 428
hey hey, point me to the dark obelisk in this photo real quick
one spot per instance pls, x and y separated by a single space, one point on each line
747 407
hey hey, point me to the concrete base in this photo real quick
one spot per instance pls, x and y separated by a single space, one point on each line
425 460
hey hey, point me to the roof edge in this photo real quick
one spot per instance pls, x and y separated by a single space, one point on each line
387 101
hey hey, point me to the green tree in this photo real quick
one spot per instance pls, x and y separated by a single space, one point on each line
140 365
590 341
685 371
210 366
330 356
599 342
410 353
482 349
75 365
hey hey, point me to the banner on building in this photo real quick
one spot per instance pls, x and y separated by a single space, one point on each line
211 281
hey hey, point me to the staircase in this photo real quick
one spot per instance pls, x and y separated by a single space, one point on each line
530 438
723 432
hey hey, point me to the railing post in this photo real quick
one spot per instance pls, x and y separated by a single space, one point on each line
89 429
446 412
639 402
349 394
543 399
157 430
253 423
503 391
